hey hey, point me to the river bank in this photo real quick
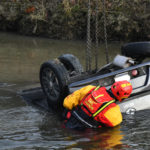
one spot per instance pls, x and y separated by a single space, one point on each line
67 19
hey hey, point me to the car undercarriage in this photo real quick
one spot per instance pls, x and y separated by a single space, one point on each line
64 75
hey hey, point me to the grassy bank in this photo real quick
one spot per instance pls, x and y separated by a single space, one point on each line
67 19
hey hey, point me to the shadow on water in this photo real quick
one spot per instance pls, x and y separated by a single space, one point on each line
25 126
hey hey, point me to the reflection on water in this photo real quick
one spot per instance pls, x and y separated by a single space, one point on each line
101 138
25 127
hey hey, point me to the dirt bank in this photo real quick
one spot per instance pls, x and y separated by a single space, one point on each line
67 19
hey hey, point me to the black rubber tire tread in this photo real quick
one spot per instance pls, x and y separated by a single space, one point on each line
136 50
62 76
71 63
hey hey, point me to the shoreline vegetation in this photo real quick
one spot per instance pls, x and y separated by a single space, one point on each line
67 19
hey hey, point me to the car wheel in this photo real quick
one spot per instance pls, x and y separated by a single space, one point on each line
136 50
71 63
53 79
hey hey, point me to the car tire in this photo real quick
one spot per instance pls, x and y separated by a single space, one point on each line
53 79
136 50
71 63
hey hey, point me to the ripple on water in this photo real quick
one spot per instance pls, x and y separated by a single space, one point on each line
27 127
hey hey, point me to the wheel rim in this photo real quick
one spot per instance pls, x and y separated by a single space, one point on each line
50 84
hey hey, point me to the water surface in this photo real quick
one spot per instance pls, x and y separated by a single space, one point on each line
29 128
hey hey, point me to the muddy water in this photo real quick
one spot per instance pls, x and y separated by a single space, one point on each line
24 127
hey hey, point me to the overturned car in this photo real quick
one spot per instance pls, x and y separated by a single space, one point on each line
65 74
